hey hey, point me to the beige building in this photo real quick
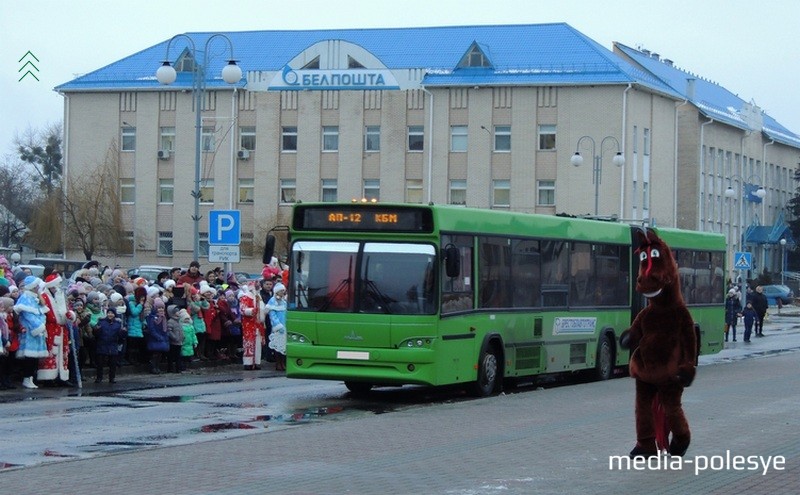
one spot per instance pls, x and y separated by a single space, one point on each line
456 115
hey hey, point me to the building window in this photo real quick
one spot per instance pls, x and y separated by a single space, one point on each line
547 192
501 193
372 138
547 137
207 191
247 138
247 190
209 140
475 58
458 138
414 191
202 244
635 140
167 139
372 189
330 138
185 63
127 242
330 191
416 137
289 139
128 138
127 191
166 191
458 192
646 144
288 190
165 243
502 138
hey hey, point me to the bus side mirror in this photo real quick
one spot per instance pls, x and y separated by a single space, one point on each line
452 261
269 249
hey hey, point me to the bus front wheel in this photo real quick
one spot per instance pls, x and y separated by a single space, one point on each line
604 367
488 381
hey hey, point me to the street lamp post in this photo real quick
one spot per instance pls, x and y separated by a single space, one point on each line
783 261
730 193
166 74
597 166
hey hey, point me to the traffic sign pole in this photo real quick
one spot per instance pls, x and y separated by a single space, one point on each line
743 261
224 237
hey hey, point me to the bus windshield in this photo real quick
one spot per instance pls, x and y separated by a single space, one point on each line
367 277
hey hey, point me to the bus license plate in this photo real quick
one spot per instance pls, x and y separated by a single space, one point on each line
363 356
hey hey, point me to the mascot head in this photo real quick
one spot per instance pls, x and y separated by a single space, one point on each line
658 272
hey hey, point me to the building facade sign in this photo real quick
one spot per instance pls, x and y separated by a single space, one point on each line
339 79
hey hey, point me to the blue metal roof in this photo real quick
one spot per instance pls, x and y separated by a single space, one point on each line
711 99
533 54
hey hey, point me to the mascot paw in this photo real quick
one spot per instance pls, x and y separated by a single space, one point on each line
679 446
625 339
686 376
640 451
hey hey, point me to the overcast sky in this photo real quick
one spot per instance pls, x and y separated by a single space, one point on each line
750 47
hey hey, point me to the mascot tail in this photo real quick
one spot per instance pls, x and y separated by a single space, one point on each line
660 424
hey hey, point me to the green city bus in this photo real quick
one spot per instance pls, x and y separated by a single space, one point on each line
394 294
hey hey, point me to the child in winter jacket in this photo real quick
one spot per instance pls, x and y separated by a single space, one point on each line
175 330
108 334
189 338
749 313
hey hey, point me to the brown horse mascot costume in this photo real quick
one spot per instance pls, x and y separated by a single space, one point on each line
664 352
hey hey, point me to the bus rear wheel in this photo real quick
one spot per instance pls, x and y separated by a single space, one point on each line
488 381
358 388
604 366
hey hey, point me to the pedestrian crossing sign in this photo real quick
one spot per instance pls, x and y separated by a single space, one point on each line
743 260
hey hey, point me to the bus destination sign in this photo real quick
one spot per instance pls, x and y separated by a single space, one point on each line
363 218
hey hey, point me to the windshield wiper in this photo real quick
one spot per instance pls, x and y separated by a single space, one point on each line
374 292
344 284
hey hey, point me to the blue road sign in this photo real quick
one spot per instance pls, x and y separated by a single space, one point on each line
742 260
224 228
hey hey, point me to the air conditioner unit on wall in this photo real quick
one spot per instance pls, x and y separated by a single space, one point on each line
163 154
243 154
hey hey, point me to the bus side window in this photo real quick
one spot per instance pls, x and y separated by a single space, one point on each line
555 267
494 272
457 292
526 279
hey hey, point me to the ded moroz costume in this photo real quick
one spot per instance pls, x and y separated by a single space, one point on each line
55 366
252 329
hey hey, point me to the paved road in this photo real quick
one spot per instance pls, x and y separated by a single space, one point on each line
744 404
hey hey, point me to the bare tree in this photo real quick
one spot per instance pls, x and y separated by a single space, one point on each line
17 203
92 210
45 226
42 150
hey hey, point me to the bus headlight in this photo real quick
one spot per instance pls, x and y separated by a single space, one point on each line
416 343
297 338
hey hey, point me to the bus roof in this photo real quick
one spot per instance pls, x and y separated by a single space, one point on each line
460 219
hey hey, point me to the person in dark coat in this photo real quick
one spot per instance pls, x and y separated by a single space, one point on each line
156 335
108 334
760 304
733 310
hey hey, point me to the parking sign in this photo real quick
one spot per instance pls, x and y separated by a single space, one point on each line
224 228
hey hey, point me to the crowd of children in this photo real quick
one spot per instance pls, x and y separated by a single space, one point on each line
51 332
